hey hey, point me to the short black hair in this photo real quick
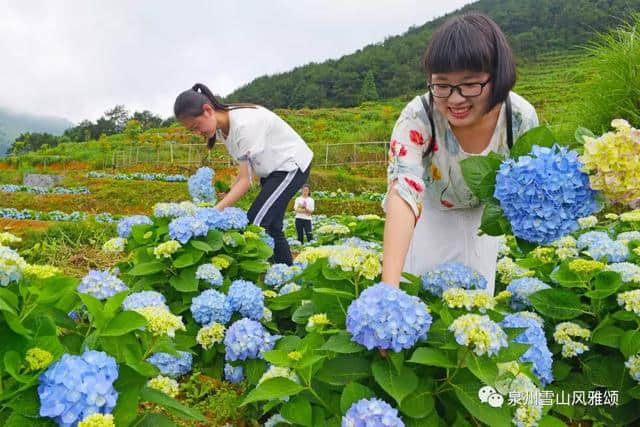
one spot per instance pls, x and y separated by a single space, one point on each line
473 42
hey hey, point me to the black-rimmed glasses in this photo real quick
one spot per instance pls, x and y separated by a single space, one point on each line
468 90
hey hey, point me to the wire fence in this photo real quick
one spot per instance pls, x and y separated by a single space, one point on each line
192 155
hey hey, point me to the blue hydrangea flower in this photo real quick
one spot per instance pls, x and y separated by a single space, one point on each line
268 240
279 274
543 194
125 224
210 274
184 228
77 386
101 285
612 250
522 288
211 216
144 299
247 299
247 339
628 236
233 374
172 366
174 210
589 238
288 288
371 412
538 353
233 218
200 187
386 317
452 275
211 306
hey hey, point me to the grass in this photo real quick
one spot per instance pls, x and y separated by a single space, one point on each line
613 91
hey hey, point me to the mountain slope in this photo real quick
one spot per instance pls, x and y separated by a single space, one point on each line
12 124
532 26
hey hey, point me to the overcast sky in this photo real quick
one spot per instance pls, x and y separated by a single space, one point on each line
74 59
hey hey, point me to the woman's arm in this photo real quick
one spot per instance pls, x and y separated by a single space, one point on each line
239 187
398 229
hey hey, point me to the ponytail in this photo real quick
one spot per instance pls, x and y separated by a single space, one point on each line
189 104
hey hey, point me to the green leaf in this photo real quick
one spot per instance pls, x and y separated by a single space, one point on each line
334 292
12 363
254 266
342 370
26 403
466 388
630 343
172 405
185 281
201 246
397 385
113 304
561 370
16 326
155 420
513 352
128 386
9 300
352 393
123 323
483 367
302 313
342 343
434 357
581 133
540 135
421 402
214 239
625 316
274 388
493 221
564 276
606 283
479 173
253 370
94 307
559 304
298 411
278 357
146 268
551 421
607 335
185 260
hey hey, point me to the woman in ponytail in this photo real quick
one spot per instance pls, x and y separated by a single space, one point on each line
263 145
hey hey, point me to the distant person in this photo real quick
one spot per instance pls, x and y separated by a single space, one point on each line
263 144
304 207
432 216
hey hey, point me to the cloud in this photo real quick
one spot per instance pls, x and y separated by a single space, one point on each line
75 59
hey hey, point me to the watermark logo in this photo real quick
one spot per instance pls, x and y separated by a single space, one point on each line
488 394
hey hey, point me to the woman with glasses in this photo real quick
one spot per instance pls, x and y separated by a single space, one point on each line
431 215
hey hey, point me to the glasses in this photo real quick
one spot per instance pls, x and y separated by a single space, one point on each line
468 90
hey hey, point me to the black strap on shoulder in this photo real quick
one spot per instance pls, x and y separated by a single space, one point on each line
429 110
509 123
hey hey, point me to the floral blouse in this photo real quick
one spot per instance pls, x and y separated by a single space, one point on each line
437 179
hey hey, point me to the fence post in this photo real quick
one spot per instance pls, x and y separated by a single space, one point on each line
355 159
171 147
326 155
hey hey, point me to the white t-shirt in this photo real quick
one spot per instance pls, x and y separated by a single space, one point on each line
266 141
304 202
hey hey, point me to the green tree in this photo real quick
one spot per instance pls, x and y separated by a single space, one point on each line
369 91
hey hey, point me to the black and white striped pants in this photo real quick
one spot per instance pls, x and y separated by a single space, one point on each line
269 207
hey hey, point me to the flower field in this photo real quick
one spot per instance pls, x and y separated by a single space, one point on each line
192 325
